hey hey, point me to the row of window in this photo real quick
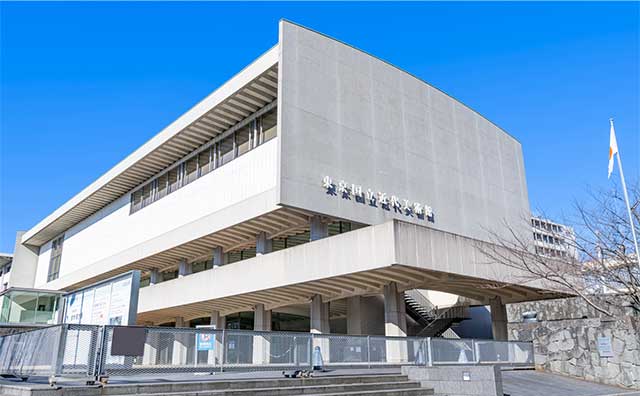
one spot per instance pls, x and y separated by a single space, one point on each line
546 226
550 252
548 239
216 153
335 228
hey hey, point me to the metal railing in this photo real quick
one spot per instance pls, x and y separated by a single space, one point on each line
86 351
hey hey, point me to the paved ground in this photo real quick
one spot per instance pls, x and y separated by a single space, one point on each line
536 383
515 383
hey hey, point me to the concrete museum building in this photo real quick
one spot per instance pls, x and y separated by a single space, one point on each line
316 190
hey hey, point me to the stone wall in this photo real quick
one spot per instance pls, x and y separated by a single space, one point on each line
566 339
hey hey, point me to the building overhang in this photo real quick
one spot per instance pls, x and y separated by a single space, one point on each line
360 262
248 91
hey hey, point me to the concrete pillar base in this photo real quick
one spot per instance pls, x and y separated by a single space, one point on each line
498 319
395 323
261 344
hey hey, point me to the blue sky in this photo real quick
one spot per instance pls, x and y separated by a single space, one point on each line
83 85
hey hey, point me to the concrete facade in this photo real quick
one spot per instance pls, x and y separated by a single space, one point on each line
373 183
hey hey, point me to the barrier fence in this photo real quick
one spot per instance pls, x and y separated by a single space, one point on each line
88 351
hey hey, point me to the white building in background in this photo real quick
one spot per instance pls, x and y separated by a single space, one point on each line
553 239
309 192
6 260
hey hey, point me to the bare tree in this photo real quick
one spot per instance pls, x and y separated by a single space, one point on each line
605 265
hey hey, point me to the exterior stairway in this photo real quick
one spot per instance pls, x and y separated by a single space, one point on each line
326 385
434 321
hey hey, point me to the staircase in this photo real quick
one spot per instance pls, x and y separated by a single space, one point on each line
435 321
326 385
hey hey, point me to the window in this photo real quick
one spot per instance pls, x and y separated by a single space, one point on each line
269 125
243 138
56 256
215 153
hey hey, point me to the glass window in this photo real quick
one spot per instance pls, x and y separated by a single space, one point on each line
226 150
146 194
162 186
191 170
173 179
269 125
203 161
243 140
56 256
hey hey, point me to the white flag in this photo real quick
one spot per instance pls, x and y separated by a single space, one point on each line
613 148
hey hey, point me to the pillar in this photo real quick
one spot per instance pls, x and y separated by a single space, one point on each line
319 324
184 268
154 277
180 343
218 257
354 316
263 244
318 228
395 323
498 319
218 322
261 343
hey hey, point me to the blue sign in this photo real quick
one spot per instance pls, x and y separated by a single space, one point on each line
205 342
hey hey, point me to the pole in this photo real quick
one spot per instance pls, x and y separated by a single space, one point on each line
626 199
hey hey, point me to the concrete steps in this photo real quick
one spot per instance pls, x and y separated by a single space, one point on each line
364 385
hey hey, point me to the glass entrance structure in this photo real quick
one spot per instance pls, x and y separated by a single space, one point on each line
29 306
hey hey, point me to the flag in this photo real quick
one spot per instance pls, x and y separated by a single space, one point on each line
613 148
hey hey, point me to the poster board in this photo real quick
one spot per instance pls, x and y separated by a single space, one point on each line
110 302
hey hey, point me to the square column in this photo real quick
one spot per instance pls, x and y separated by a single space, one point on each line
154 277
354 316
261 343
218 257
184 268
395 323
319 324
218 322
318 228
498 319
263 244
180 344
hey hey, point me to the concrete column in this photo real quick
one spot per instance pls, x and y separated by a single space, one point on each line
261 344
318 228
154 277
218 322
184 268
263 244
395 323
218 256
319 324
180 343
354 316
498 319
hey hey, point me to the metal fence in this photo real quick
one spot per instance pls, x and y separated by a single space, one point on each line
86 351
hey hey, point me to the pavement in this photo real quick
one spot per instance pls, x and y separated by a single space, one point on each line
537 383
515 382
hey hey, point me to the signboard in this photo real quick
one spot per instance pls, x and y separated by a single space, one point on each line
205 342
379 199
604 347
110 302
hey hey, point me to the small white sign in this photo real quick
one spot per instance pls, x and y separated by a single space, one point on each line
604 347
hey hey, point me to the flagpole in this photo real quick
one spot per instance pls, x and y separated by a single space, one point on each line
626 199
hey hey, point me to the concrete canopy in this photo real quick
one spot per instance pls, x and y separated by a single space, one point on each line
360 262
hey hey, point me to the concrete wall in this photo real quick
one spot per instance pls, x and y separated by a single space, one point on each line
112 237
351 116
24 264
458 380
566 339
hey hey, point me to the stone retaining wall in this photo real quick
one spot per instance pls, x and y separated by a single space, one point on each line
566 340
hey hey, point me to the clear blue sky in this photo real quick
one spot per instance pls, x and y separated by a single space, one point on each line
83 85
